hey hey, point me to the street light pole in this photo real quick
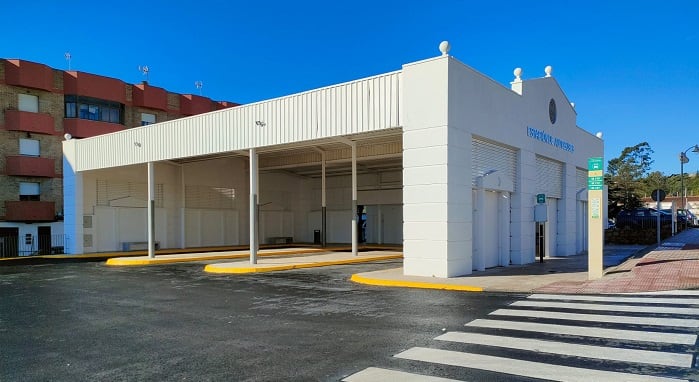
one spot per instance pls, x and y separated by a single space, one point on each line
683 160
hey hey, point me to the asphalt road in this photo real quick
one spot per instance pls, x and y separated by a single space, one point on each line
86 321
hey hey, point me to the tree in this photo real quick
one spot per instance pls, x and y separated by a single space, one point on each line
655 180
624 175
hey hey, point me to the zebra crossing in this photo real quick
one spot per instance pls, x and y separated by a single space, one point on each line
632 338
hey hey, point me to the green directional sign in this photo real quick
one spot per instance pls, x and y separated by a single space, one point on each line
595 164
541 198
595 174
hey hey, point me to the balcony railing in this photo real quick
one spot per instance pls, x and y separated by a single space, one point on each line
30 211
20 165
40 123
30 245
85 128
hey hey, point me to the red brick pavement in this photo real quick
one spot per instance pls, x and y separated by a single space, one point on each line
673 265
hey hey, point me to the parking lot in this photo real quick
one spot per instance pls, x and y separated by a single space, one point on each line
87 321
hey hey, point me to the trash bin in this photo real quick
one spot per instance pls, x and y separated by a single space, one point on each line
316 236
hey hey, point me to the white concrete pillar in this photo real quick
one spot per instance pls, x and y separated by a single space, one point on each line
323 203
379 224
254 183
183 210
504 228
72 201
478 226
355 250
151 210
567 209
522 210
437 183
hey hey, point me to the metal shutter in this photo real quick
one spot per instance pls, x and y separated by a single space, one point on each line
580 179
549 175
199 196
111 190
490 156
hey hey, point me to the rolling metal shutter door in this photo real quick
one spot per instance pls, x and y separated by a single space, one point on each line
488 156
200 196
549 177
109 191
580 179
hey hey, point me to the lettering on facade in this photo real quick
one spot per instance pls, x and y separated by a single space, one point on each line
542 136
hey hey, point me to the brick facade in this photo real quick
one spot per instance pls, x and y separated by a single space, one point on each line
52 102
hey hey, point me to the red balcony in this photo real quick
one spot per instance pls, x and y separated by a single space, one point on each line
40 123
225 105
84 128
92 85
148 96
191 104
20 165
28 74
29 211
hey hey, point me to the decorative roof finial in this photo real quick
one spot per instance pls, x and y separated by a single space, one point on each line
548 70
518 74
444 47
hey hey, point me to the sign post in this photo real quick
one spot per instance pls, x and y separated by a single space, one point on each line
595 235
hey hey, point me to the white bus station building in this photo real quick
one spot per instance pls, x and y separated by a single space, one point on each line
435 157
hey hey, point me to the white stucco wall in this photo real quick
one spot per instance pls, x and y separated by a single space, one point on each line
446 105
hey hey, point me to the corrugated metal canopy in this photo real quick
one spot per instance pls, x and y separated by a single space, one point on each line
362 110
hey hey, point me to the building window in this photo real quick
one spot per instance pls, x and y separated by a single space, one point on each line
147 119
29 191
28 102
29 147
94 109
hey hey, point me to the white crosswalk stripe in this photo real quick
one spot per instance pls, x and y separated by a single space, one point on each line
657 321
522 368
626 330
577 350
618 334
608 307
644 300
378 374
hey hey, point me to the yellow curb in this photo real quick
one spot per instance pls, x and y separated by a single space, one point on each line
214 268
414 284
118 261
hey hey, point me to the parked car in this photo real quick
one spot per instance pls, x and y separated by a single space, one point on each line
641 218
688 217
684 217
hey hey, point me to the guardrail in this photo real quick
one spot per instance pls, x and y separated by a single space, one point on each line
31 245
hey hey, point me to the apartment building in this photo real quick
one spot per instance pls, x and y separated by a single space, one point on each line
39 105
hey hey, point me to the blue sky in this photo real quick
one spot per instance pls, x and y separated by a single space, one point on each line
631 67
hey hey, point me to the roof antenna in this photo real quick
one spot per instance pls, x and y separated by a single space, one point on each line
144 69
199 85
67 56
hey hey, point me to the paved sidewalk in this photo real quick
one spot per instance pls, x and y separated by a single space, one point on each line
673 265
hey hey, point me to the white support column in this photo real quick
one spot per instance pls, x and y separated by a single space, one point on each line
355 250
151 210
72 201
254 183
437 179
379 223
323 202
504 228
183 210
478 225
